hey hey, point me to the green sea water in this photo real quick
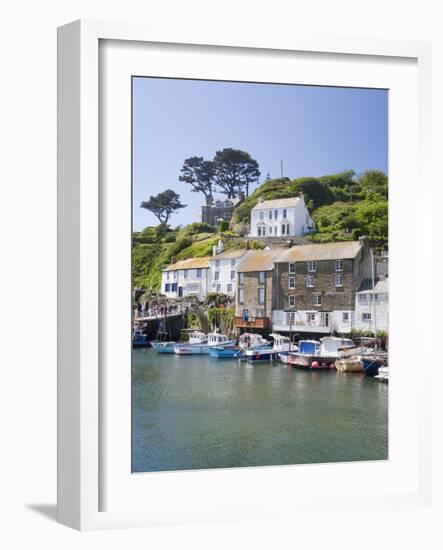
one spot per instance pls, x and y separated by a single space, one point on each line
197 412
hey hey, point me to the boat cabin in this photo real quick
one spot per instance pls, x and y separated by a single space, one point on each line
309 347
281 343
330 345
197 337
249 340
216 339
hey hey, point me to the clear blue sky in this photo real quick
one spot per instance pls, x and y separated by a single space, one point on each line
314 130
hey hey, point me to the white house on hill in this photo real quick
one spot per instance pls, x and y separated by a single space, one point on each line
281 218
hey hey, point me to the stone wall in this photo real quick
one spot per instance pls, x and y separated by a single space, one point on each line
250 287
333 298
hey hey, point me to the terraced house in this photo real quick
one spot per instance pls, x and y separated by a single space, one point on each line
187 278
255 289
316 286
307 288
223 271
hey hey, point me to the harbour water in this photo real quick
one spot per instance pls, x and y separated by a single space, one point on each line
196 412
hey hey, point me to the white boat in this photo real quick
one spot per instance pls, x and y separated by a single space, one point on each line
250 340
199 343
163 347
383 374
332 346
281 345
315 354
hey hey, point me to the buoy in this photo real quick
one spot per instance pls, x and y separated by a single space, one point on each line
314 364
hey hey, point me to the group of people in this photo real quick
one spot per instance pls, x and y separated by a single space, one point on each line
156 309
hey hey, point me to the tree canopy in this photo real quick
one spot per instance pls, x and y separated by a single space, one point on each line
163 205
199 174
235 170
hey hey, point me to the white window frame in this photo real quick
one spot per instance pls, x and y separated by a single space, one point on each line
291 300
240 295
345 317
310 281
241 278
292 281
292 268
261 277
338 280
311 266
366 317
338 265
317 300
261 295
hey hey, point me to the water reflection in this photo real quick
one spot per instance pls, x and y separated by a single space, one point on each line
196 412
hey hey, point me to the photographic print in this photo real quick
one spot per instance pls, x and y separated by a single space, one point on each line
260 278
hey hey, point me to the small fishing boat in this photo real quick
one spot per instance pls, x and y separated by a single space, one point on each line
220 352
371 363
199 343
250 340
383 374
139 340
348 364
319 354
269 353
163 347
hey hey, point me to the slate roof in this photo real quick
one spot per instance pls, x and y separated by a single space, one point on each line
258 260
277 203
190 263
322 251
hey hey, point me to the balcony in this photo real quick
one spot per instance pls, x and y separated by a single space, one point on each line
257 322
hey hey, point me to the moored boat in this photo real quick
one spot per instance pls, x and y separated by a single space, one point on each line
163 347
250 340
199 343
139 340
371 363
348 364
319 354
221 352
383 374
270 353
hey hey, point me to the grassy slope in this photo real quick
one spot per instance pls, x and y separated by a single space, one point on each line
329 202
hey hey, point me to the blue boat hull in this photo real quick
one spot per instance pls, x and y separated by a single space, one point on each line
225 353
371 365
256 356
163 347
140 342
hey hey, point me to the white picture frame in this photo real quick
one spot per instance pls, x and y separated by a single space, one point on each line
80 257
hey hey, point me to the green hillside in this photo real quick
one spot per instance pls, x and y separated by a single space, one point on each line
343 206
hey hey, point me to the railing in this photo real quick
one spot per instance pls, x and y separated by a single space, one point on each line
253 322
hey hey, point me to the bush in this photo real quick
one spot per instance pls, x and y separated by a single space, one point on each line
170 238
223 225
